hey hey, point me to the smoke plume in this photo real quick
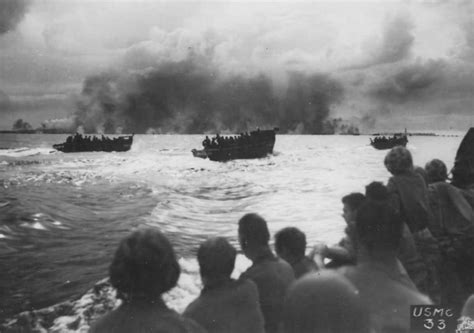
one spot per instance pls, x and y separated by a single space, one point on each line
397 41
11 13
58 125
5 103
190 96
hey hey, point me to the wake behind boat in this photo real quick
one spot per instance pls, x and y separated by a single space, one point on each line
257 144
79 143
383 142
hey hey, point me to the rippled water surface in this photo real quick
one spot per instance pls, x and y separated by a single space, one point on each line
62 215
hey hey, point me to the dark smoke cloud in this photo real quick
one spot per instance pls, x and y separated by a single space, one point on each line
468 51
191 97
11 13
368 120
59 125
5 104
411 82
395 45
397 41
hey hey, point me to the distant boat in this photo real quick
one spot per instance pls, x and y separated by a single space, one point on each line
78 143
257 144
382 142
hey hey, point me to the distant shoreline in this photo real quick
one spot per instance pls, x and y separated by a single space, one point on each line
34 132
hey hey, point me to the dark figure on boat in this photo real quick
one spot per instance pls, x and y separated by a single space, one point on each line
271 274
144 267
290 245
225 304
344 253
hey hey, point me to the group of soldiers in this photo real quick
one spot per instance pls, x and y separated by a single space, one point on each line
78 138
384 139
219 141
94 143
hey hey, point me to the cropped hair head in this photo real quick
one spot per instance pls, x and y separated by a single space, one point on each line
376 191
324 302
144 265
292 239
216 257
378 226
353 200
253 228
436 171
398 160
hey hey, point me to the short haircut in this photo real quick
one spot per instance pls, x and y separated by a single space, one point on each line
292 239
216 257
353 200
254 228
324 302
378 226
144 265
436 171
398 160
376 191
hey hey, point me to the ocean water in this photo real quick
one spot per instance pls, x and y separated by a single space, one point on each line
62 215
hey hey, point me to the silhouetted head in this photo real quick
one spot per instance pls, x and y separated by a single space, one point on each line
144 266
376 191
290 244
351 203
378 227
436 171
253 232
398 160
324 302
463 175
468 308
216 259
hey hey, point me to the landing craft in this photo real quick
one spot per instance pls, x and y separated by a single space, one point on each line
257 144
382 142
78 143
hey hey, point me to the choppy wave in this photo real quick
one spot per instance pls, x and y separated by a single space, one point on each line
25 151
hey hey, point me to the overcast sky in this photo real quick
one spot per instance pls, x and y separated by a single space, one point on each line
402 63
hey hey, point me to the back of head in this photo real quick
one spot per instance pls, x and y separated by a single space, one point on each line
291 240
354 200
398 160
253 230
468 308
144 265
376 191
216 258
436 171
378 227
324 302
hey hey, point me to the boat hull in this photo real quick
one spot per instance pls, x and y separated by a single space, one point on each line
119 145
261 148
382 145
